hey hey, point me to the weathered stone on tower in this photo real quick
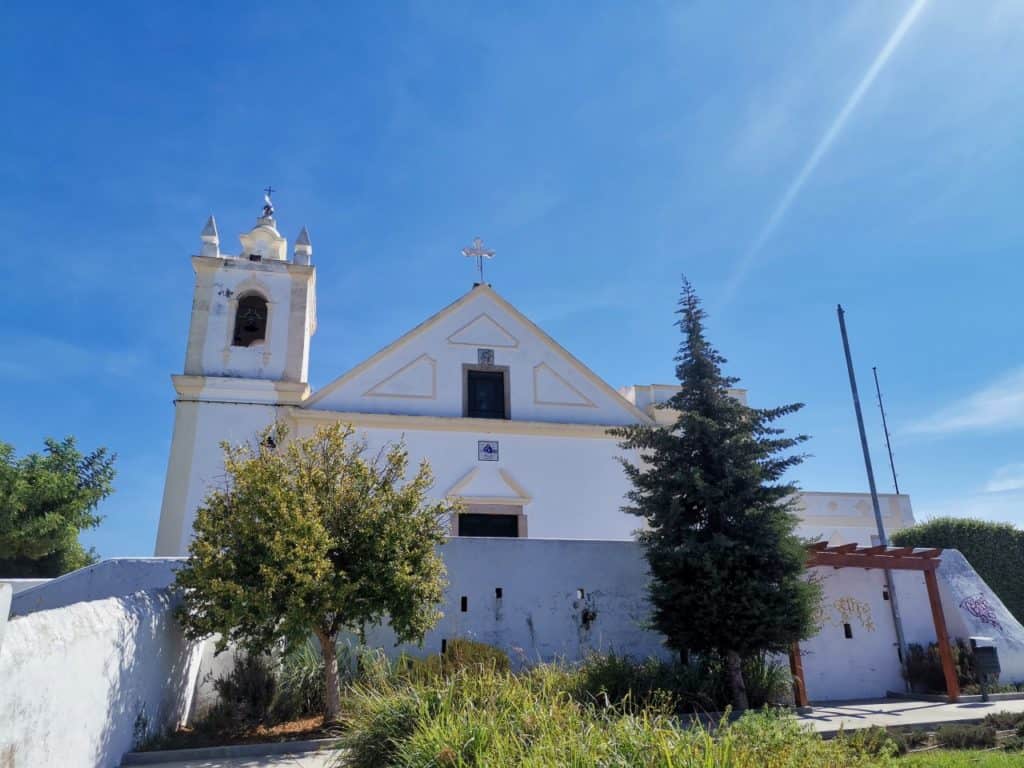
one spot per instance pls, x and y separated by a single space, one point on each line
303 253
210 238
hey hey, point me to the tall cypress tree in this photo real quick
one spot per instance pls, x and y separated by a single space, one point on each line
727 568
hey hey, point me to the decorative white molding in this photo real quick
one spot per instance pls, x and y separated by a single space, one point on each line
519 495
545 369
432 395
467 335
482 427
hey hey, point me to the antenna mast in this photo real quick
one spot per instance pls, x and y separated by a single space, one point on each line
885 428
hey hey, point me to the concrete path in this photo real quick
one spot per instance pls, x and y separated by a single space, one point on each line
309 760
828 719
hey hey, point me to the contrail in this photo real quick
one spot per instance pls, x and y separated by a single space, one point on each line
823 146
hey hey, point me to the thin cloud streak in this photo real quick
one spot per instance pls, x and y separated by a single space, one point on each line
1008 478
824 145
999 406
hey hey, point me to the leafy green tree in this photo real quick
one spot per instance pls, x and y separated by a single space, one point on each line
728 575
313 536
46 500
996 550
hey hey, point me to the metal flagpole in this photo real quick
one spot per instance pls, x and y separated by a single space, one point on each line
882 538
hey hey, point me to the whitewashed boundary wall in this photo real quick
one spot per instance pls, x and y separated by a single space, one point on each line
109 578
89 663
102 661
5 609
20 585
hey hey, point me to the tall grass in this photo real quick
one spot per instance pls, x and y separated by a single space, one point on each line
537 719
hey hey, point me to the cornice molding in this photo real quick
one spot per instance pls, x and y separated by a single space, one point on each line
452 424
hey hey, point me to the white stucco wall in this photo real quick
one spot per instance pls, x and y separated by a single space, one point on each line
575 485
539 616
5 609
866 665
846 518
109 578
81 682
196 463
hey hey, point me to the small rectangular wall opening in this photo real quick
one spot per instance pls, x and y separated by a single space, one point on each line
497 593
885 593
848 631
444 645
464 604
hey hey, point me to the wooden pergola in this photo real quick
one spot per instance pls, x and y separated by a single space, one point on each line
821 555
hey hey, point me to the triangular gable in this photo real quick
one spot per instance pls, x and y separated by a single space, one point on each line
497 325
491 486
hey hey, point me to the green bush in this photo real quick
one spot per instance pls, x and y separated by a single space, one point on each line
996 550
486 718
248 689
876 741
1004 721
613 680
300 682
967 736
459 654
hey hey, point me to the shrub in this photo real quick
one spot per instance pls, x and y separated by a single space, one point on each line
486 718
459 654
996 550
876 741
967 736
300 682
248 690
378 721
768 682
924 667
613 680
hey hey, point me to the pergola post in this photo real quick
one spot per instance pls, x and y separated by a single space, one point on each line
796 667
941 636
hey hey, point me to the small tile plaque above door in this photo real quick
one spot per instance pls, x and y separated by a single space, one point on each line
487 450
485 357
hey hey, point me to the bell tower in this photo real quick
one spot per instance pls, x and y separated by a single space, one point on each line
247 356
253 313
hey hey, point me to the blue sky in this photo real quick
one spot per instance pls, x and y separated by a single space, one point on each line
785 156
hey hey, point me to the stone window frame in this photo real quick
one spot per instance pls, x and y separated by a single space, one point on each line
495 507
506 377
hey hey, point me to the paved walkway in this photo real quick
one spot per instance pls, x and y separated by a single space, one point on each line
828 719
309 760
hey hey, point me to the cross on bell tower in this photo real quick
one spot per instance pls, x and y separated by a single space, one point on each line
479 252
268 204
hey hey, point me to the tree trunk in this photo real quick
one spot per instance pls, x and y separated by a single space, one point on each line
332 691
734 674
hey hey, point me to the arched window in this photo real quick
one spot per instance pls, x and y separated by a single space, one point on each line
250 321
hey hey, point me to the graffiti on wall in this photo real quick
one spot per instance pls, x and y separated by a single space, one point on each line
844 610
982 610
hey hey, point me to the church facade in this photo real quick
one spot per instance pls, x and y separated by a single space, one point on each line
542 561
511 422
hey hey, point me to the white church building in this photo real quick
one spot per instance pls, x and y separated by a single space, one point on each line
511 422
541 561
